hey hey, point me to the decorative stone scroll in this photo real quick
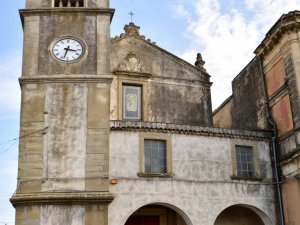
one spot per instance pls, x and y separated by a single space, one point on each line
132 64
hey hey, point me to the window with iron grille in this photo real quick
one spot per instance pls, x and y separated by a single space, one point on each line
244 160
68 3
155 156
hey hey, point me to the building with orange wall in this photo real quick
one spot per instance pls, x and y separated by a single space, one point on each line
270 86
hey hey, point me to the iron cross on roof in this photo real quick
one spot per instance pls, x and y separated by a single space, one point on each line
131 15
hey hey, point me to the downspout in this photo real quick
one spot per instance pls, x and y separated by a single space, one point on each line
277 169
274 150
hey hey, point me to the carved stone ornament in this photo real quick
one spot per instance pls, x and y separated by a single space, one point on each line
132 30
132 64
200 62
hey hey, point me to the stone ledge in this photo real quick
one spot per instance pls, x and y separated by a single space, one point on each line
55 11
62 198
187 129
259 179
162 175
66 79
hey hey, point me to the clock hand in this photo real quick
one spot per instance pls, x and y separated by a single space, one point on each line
72 50
67 49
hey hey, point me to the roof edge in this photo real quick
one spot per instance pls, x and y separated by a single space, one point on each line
261 135
287 22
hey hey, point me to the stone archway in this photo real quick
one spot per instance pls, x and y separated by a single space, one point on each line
158 214
240 214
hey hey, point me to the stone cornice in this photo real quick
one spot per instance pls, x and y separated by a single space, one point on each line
133 74
62 198
66 79
55 11
287 23
189 130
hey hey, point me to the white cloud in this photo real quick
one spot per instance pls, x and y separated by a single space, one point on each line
10 70
8 182
227 36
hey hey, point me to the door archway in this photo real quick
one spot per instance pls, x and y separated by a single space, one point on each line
158 214
241 214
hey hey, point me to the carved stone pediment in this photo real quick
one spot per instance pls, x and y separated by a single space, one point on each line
133 64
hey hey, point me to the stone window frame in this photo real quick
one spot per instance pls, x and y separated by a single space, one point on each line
139 90
155 136
144 99
255 158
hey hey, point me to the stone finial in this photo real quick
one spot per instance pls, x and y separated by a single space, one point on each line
199 62
131 29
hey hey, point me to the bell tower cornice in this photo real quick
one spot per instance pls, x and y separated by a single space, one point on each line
58 11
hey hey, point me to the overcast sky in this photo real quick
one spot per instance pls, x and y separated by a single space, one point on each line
226 32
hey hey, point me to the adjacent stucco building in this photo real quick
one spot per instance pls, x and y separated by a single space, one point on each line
119 131
266 96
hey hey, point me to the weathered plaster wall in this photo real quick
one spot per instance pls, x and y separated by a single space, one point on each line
180 104
31 147
69 215
176 92
84 31
282 115
65 141
275 78
40 33
280 53
247 107
290 198
28 215
249 111
223 117
201 186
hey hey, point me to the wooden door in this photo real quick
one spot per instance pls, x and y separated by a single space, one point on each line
143 220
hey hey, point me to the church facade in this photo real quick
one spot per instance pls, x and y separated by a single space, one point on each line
120 131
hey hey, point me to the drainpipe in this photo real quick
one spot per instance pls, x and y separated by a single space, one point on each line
274 150
277 176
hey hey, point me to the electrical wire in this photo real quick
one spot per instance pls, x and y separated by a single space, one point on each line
15 140
8 148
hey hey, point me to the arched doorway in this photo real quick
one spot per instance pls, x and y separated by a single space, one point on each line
238 214
155 214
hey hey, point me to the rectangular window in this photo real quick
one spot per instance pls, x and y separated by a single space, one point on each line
68 3
244 161
132 102
155 156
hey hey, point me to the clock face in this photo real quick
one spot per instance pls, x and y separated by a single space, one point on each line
67 49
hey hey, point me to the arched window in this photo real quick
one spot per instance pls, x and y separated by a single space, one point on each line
68 3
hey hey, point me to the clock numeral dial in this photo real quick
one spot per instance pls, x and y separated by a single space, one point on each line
67 49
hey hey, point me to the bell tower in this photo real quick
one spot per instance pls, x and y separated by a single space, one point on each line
65 83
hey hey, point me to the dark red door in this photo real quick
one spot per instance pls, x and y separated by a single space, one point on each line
143 220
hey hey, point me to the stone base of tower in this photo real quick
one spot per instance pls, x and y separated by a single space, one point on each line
49 208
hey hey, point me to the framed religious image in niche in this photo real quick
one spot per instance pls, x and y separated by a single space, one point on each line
132 102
